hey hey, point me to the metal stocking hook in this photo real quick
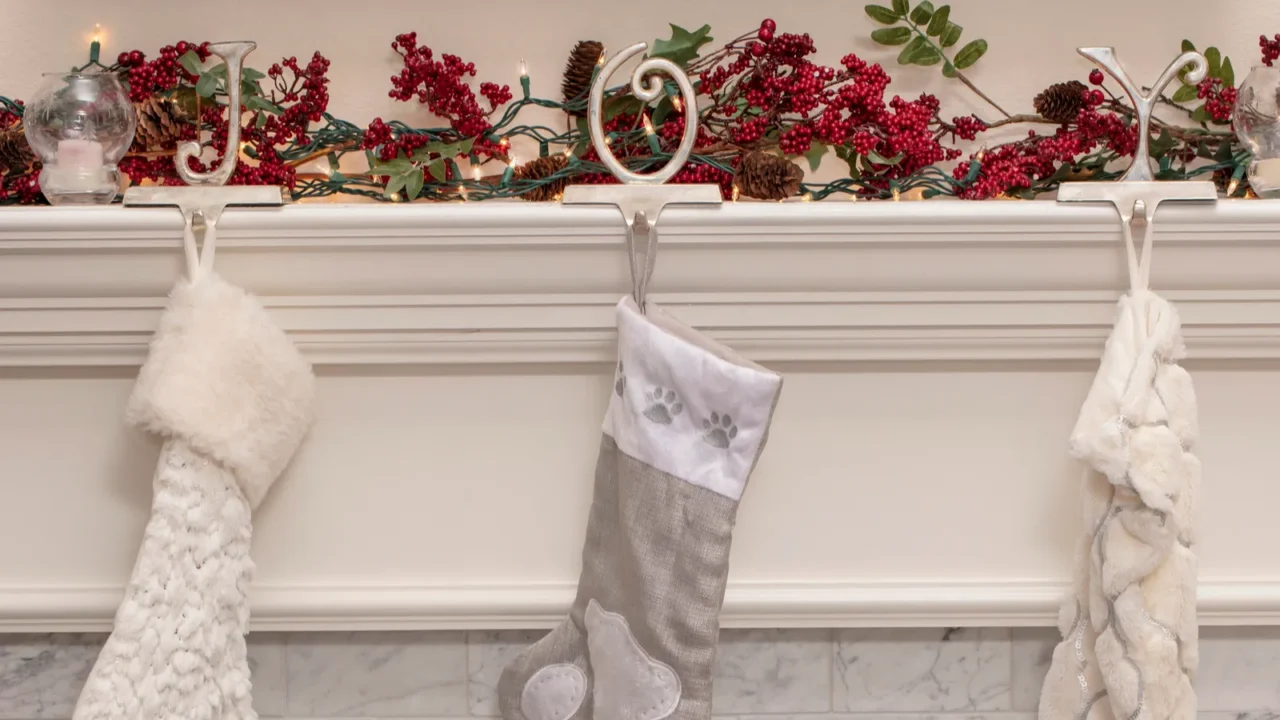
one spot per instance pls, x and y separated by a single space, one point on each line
1138 186
642 197
205 193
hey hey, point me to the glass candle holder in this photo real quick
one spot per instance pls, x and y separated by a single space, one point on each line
1257 122
80 124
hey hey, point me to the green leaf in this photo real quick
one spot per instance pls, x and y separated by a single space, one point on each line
1160 146
1188 46
661 112
1214 56
938 23
1201 115
414 184
970 54
922 13
250 88
206 85
1186 93
814 156
951 35
1228 73
926 55
879 159
1203 151
620 104
464 147
948 70
191 62
395 184
261 122
683 45
436 169
882 14
892 36
219 71
902 7
250 74
904 57
397 166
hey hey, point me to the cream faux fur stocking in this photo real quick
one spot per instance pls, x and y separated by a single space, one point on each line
232 399
686 423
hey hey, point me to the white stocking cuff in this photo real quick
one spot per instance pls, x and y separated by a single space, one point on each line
687 405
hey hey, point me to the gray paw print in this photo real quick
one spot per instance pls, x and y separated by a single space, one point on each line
719 431
620 385
664 406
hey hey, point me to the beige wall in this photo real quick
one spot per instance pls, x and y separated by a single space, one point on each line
1032 41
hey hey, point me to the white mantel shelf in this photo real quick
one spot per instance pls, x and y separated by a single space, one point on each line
936 353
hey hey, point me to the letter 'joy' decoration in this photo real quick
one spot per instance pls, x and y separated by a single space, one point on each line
206 194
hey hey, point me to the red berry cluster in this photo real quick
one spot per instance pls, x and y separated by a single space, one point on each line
307 89
23 189
8 119
770 86
147 78
1219 100
440 85
1270 49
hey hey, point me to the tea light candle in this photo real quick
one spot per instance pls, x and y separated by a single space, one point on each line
79 165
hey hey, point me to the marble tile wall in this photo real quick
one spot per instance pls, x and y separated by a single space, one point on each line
907 674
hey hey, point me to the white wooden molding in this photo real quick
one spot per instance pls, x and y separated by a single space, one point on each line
936 354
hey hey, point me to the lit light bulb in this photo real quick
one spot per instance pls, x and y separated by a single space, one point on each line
603 52
504 143
559 196
462 190
1231 189
475 172
677 103
608 140
896 195
511 161
648 126
568 152
736 193
853 197
524 69
243 144
807 197
97 33
981 154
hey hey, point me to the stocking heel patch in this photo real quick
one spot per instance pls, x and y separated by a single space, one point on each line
554 693
629 684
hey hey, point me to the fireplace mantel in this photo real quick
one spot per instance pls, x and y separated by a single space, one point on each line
935 352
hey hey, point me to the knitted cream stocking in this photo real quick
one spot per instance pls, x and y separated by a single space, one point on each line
684 429
232 398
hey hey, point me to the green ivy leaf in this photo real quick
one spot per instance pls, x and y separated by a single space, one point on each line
219 71
948 70
206 85
414 184
1228 75
879 159
922 13
892 36
902 7
938 23
683 45
191 62
661 112
620 104
250 74
395 184
1201 115
1186 93
951 35
814 156
1160 146
257 102
398 166
926 55
1214 56
436 168
904 57
970 54
882 14
1188 46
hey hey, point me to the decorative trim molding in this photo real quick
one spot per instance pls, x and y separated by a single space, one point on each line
523 283
522 606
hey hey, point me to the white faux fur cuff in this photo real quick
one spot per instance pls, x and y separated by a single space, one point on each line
224 378
687 405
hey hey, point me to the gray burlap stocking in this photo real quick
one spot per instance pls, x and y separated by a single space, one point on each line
685 426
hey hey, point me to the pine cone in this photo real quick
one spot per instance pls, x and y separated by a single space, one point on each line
160 122
541 168
15 154
767 177
1061 102
578 72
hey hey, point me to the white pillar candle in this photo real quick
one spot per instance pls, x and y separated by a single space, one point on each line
79 166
